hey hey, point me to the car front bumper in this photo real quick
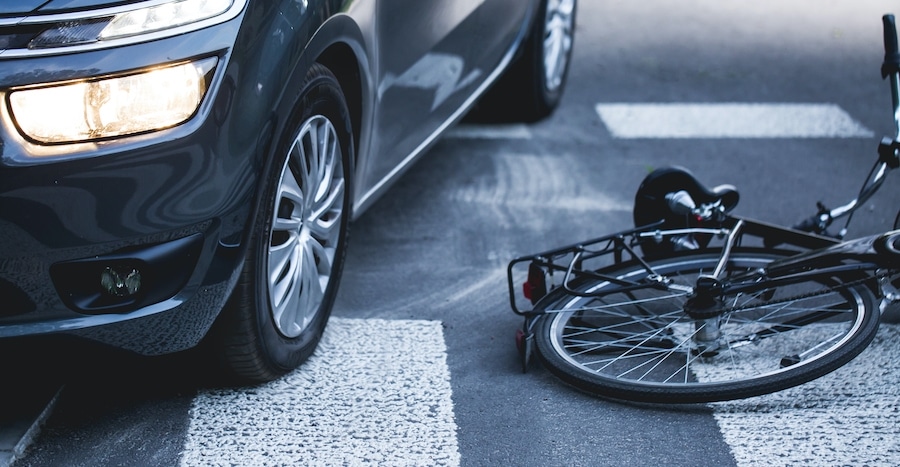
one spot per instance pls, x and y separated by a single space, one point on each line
133 242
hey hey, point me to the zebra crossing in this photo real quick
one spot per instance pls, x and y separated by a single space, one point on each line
378 392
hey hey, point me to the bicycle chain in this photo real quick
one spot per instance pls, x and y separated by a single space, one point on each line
842 286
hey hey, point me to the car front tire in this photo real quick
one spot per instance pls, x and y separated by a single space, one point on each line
282 301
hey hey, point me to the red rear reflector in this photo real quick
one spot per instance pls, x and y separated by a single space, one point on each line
535 287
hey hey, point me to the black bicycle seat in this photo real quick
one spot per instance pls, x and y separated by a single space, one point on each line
650 204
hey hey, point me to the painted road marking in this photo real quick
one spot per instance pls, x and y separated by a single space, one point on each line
732 120
376 392
513 131
849 417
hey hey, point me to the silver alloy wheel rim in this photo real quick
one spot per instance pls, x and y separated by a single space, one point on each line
306 226
559 29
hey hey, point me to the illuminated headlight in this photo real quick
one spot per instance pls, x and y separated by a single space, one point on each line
116 106
130 23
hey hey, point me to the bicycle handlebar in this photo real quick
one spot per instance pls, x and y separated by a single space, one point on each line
891 54
890 68
888 150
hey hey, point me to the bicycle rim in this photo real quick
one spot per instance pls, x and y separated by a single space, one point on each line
642 346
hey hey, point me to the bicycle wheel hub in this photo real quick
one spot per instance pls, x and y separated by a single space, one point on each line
705 303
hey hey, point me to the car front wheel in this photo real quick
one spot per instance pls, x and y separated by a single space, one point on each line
281 304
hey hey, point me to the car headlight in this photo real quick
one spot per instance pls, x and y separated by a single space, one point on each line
117 25
121 105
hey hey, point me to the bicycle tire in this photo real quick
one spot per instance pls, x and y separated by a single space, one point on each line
641 346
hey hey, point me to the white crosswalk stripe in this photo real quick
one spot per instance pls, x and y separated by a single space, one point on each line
729 120
376 392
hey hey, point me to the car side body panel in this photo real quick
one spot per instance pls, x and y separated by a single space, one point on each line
428 75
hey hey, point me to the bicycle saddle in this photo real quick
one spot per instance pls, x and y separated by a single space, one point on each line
651 205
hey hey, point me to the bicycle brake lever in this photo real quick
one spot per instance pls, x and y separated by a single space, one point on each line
817 223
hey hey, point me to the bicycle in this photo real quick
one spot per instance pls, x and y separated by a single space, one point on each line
697 305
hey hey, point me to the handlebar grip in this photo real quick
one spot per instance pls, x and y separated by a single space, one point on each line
891 54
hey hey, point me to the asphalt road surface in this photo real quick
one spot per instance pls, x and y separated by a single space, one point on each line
419 366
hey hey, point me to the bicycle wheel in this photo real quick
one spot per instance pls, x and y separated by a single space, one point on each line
640 345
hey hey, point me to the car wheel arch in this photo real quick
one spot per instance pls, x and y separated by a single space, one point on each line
337 44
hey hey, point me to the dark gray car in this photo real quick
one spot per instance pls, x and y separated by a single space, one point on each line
179 170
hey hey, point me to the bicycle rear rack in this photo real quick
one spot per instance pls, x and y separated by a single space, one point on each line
566 266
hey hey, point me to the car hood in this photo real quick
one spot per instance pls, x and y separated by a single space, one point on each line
25 7
20 7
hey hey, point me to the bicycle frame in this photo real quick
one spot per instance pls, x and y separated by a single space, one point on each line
867 256
644 314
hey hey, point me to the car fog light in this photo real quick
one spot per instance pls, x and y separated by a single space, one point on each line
108 107
120 282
